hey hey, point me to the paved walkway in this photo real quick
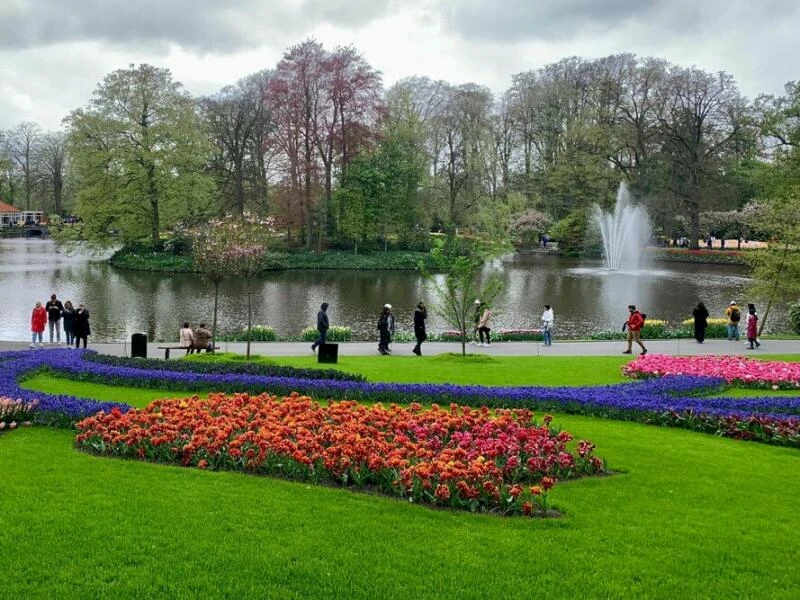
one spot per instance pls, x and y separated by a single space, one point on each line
683 347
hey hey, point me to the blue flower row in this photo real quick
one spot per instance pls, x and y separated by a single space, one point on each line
641 400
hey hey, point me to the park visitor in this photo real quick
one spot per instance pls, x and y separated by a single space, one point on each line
54 309
420 314
186 337
477 317
202 339
485 325
69 318
385 329
323 324
752 327
700 314
80 326
547 325
734 316
634 326
38 321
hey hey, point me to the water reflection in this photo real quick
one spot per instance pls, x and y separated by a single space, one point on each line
585 297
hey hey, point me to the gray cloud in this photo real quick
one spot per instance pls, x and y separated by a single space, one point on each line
200 26
530 20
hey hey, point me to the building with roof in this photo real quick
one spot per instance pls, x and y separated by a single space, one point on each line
10 216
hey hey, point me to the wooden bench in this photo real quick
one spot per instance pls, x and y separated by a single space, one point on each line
166 349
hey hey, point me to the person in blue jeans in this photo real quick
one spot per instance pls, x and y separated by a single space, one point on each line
734 315
547 325
323 324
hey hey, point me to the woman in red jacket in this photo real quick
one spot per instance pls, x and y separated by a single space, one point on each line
634 324
38 321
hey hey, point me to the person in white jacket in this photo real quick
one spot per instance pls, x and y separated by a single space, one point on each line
547 325
485 325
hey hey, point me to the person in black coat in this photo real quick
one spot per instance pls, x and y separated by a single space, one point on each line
80 326
700 314
69 317
323 324
420 314
385 328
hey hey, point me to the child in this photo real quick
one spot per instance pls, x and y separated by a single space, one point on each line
752 327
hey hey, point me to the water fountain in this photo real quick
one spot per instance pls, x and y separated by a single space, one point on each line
625 232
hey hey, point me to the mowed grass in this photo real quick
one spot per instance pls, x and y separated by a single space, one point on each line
687 515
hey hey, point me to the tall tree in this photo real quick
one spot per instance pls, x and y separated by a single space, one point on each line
703 121
51 168
140 151
21 144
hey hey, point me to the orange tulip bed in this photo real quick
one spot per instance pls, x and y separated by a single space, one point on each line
480 460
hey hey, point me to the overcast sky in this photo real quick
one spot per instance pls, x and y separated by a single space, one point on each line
53 53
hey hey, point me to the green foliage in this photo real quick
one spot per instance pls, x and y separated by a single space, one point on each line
337 333
257 333
139 151
571 234
794 317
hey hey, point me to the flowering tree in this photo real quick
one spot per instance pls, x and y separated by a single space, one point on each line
234 246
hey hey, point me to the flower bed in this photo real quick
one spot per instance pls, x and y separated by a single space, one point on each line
14 413
673 401
461 458
741 371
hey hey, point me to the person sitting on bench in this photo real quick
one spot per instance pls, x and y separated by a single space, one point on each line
202 339
186 337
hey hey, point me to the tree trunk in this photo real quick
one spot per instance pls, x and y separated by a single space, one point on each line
214 327
152 192
249 313
772 294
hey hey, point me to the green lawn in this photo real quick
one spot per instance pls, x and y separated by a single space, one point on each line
688 515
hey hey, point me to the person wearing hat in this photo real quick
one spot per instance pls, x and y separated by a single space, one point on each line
385 329
734 316
477 305
323 324
420 314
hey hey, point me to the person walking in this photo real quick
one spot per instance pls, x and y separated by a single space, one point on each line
69 318
80 326
54 310
385 322
547 325
477 317
38 321
420 314
485 325
323 324
734 316
752 327
700 314
634 326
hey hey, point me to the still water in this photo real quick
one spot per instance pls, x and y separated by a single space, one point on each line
584 296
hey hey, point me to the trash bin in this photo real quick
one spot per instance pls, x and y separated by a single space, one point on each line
328 353
139 345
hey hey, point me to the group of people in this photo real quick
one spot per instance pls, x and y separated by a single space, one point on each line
50 315
195 339
734 315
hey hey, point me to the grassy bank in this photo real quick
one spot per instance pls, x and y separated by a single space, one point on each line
140 260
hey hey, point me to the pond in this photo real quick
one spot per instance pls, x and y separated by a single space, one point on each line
585 297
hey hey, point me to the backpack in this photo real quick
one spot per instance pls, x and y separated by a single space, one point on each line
736 316
644 316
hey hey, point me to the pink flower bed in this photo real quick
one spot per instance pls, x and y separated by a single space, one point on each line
733 369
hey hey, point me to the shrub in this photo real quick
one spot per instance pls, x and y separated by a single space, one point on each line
336 333
794 316
260 333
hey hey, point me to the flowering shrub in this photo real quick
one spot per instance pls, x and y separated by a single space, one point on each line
716 329
741 371
462 458
337 333
15 412
258 333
